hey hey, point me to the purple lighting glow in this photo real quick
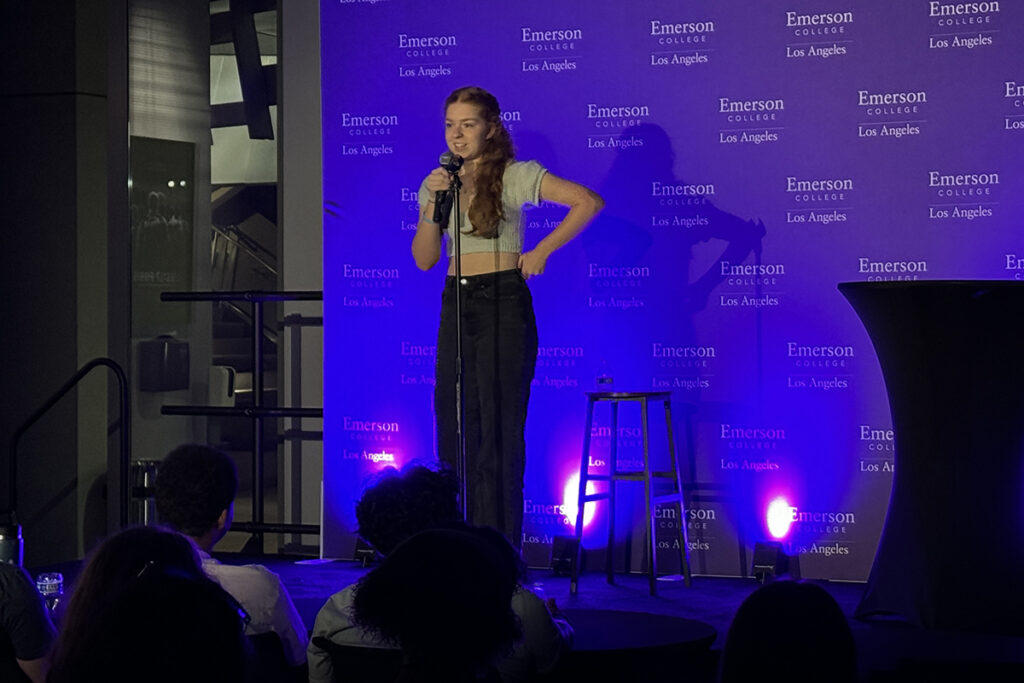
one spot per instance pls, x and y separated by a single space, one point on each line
570 494
382 459
779 516
733 208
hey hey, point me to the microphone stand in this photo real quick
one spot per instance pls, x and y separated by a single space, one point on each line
460 437
758 331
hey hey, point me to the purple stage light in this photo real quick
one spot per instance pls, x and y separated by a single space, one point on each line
382 459
570 496
779 517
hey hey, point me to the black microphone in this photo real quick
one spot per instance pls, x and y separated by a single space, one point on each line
451 162
442 202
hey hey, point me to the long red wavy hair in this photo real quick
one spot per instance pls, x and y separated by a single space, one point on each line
486 210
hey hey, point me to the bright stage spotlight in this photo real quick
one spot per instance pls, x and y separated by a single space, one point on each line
770 560
570 494
779 517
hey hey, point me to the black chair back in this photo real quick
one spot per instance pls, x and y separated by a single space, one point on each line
268 662
359 664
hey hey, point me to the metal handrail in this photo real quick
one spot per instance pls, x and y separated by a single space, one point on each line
239 238
297 320
250 247
241 411
125 427
252 295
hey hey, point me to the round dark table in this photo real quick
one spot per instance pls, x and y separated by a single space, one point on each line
952 547
619 645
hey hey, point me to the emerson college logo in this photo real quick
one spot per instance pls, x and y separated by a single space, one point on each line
426 56
368 134
818 200
962 195
550 50
890 115
680 43
610 120
818 36
1013 93
750 121
964 25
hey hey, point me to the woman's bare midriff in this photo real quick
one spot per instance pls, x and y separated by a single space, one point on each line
478 264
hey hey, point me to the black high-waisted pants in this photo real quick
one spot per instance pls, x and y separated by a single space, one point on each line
499 351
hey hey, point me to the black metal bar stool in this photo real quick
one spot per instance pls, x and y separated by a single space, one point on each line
647 476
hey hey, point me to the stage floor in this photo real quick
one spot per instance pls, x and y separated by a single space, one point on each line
888 651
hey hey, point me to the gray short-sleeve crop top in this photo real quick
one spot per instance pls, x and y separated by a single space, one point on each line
520 186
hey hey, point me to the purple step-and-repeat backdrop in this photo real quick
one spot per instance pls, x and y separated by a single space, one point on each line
752 156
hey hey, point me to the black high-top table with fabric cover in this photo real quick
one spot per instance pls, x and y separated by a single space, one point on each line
951 554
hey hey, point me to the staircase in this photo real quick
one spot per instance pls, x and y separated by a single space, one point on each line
243 258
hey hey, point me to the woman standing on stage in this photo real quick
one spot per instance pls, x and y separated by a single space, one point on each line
499 330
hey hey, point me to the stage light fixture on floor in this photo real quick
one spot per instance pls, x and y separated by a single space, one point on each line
564 552
364 554
770 561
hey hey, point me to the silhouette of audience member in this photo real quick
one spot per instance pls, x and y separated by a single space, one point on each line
398 506
26 632
791 632
143 610
195 495
444 596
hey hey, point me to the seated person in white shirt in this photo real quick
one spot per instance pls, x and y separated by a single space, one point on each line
195 495
398 506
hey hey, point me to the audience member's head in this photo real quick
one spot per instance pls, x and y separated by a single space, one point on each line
143 610
195 492
123 557
402 503
508 554
789 631
444 597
